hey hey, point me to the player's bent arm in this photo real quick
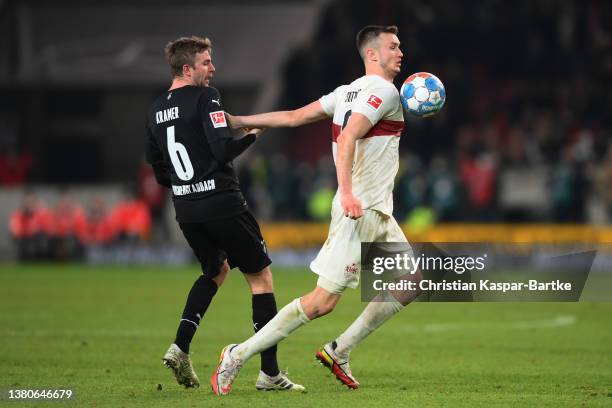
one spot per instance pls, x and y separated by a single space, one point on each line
312 112
226 149
357 127
223 146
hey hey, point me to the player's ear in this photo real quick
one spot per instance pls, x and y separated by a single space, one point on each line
371 54
186 71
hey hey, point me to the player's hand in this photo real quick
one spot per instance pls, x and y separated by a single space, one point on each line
232 121
253 131
351 206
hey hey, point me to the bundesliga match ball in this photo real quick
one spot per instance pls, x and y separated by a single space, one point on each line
422 94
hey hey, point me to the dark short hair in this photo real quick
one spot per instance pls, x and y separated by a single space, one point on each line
183 51
370 33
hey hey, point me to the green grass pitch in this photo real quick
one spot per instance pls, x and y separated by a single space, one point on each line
103 330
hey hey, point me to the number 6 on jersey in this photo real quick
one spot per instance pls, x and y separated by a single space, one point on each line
178 155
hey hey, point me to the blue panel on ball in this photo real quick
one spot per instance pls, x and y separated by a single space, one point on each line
408 91
432 84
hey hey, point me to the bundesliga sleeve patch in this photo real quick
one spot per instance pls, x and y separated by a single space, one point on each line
374 102
218 119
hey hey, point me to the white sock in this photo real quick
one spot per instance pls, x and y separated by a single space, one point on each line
288 319
372 317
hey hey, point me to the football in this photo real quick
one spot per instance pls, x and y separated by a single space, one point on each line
422 94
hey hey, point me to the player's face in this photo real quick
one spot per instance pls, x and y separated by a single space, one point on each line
203 69
390 55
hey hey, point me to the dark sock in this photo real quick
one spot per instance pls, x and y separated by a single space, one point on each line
198 300
264 309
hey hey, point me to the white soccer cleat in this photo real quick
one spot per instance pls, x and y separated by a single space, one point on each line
338 365
181 366
226 372
279 382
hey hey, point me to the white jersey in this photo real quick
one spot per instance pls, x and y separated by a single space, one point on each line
376 158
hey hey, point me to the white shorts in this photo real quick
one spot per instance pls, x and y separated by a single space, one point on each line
339 260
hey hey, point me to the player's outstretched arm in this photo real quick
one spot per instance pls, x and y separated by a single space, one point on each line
357 127
312 112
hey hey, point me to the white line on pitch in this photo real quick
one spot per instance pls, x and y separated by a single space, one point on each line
557 321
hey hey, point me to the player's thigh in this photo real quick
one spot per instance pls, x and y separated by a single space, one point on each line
339 259
240 237
395 243
390 230
210 256
373 226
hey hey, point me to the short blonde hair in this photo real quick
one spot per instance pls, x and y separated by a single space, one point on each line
183 51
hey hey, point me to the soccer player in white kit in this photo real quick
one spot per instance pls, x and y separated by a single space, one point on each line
367 124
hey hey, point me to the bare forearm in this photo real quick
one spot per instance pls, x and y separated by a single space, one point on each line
344 164
302 116
267 120
357 126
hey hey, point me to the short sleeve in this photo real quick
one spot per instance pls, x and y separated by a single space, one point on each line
328 102
377 103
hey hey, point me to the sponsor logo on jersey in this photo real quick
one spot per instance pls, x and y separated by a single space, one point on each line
218 119
351 272
199 187
216 101
374 102
351 269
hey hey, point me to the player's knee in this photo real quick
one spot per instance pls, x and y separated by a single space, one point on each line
261 282
317 304
319 310
223 272
407 296
326 308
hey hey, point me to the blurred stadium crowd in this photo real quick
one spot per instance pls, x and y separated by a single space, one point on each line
64 229
527 94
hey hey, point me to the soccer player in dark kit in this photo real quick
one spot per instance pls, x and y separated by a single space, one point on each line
191 150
